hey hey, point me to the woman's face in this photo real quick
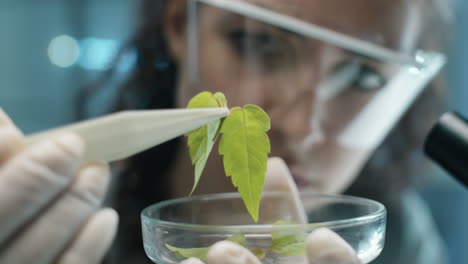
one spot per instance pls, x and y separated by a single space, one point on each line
254 63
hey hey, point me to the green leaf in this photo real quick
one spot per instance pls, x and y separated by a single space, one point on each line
245 147
207 100
238 239
288 242
294 249
260 253
184 253
221 99
201 140
202 253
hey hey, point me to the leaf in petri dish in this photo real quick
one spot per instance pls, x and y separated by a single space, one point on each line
184 253
238 239
201 253
260 253
288 242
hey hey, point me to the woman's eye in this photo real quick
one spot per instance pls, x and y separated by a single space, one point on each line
349 75
251 42
369 78
263 46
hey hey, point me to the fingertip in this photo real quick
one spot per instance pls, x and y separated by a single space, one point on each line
11 142
325 246
94 240
278 177
109 217
106 220
219 249
93 179
192 261
4 118
322 232
277 163
11 138
324 237
276 159
110 214
230 253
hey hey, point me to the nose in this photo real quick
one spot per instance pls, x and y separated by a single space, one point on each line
298 120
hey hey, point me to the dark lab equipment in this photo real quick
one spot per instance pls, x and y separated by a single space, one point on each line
447 145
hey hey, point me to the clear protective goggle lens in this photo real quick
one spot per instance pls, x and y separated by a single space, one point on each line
356 89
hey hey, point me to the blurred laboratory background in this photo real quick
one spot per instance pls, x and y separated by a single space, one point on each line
50 49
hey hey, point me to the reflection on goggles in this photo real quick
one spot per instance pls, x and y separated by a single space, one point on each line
386 108
338 82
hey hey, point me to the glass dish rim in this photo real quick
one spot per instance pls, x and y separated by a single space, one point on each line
379 213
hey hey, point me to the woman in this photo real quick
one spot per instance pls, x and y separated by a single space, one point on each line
404 25
161 80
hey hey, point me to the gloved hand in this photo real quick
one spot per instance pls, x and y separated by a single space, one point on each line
49 204
323 245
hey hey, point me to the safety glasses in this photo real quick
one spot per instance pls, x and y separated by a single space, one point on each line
350 91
